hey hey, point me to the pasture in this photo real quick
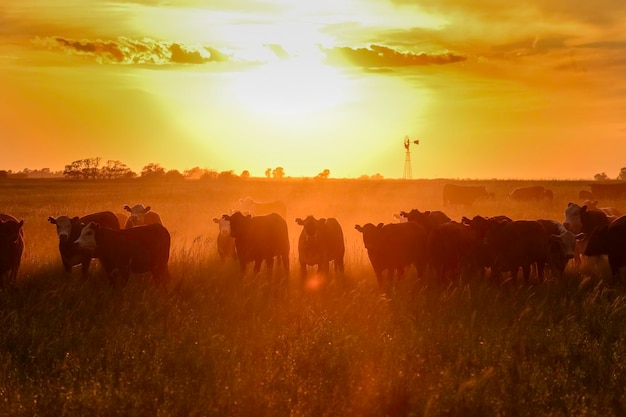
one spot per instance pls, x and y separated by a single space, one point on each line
214 343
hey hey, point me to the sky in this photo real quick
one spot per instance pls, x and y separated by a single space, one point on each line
490 89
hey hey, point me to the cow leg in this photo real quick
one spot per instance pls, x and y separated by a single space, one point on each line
322 268
303 272
257 266
339 266
540 270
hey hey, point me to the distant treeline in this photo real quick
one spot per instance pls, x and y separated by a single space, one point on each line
91 169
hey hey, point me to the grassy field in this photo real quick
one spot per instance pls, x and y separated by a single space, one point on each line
214 343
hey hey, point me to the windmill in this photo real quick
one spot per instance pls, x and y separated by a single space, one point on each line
407 158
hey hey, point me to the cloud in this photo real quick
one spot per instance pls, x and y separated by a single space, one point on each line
377 56
134 51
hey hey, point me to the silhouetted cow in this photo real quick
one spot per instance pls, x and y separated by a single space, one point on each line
452 248
562 244
260 238
393 247
11 248
531 193
611 212
581 220
225 242
463 194
139 249
426 219
68 230
518 244
141 216
257 208
320 242
610 240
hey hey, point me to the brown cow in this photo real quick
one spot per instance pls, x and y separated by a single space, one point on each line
393 247
531 193
260 238
11 248
463 194
453 246
225 242
68 230
320 242
139 249
610 240
427 219
257 208
141 216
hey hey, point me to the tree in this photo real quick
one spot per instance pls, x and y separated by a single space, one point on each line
226 175
268 173
153 170
622 174
323 175
278 173
601 177
174 174
115 170
245 174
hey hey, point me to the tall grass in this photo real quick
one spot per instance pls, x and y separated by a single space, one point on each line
215 343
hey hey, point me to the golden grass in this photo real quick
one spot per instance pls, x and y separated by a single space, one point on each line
214 343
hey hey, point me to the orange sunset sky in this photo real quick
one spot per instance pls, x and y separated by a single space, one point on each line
492 89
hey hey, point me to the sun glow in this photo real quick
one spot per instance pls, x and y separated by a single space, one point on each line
291 87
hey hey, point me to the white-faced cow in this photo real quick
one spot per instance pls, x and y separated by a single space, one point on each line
320 242
225 242
68 230
561 246
260 238
582 220
141 216
393 247
257 208
11 248
138 250
463 194
610 240
531 193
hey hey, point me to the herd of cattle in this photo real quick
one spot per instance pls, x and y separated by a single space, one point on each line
258 232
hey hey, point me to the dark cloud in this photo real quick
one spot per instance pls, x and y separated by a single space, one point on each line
135 51
377 56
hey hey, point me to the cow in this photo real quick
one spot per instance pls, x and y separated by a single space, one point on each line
609 191
531 193
137 250
225 242
581 220
585 195
320 242
610 240
562 244
611 212
141 216
257 208
481 225
11 249
463 194
122 219
260 238
453 246
426 219
394 246
68 230
517 244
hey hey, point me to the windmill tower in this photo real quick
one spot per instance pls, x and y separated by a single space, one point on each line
407 158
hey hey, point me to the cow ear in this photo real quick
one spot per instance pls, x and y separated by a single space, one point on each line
581 236
322 221
427 212
300 221
226 217
249 216
216 220
466 221
147 209
52 220
359 228
584 208
380 225
569 204
403 213
75 218
127 208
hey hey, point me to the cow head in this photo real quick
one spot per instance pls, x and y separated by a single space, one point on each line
311 227
87 238
567 242
573 217
238 223
64 226
372 235
10 231
224 226
137 214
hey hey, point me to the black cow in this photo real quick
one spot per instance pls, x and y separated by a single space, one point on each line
393 247
11 248
426 219
610 240
139 249
463 194
68 230
518 244
320 242
452 247
260 238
